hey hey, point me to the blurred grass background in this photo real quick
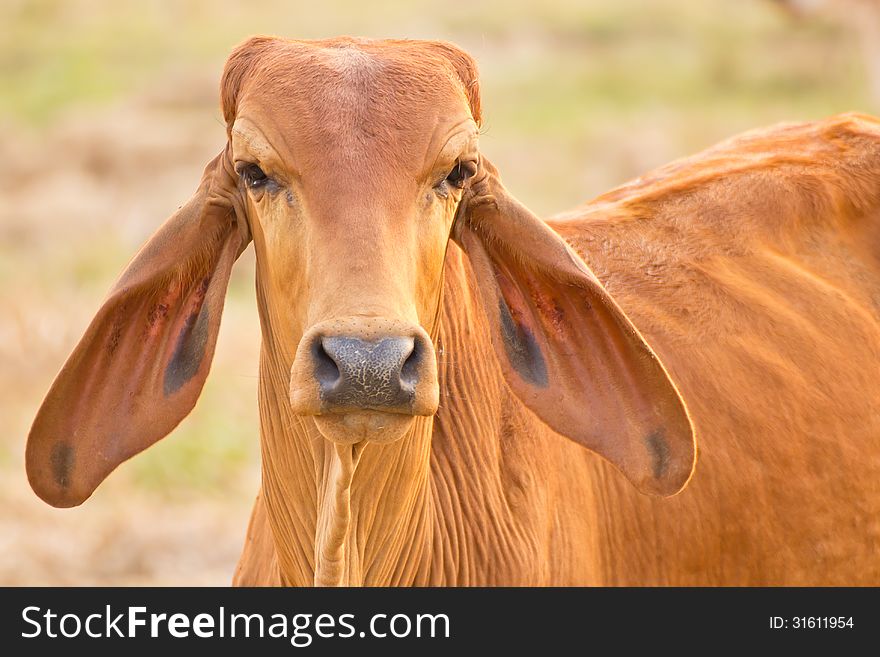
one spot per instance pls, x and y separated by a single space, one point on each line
109 111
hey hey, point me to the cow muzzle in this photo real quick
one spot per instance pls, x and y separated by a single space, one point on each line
364 378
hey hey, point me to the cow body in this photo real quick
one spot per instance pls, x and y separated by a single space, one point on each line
754 271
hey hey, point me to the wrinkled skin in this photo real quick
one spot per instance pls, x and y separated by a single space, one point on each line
449 395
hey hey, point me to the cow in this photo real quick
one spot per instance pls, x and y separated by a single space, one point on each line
453 391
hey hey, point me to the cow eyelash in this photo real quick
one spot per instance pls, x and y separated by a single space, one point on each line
252 175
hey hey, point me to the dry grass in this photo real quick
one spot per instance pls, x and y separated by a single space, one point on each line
108 117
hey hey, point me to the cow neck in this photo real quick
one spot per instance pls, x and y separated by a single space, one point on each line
340 515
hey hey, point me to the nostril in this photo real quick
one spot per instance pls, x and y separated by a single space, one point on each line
326 369
409 373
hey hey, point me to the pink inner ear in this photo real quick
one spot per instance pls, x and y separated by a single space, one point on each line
173 326
153 347
191 339
520 332
157 317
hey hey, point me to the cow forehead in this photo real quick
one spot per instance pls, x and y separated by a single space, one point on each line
355 99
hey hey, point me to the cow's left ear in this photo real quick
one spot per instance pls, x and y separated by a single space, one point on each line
568 351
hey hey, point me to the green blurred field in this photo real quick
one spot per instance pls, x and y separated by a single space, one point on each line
109 110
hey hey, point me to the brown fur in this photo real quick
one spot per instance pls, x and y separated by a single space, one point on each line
734 295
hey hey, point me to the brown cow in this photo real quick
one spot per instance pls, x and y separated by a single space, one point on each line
425 402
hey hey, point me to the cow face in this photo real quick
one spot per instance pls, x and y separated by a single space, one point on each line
352 158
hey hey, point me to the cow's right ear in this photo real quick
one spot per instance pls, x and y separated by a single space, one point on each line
567 349
140 367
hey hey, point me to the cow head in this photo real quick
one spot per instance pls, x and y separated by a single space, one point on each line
353 157
351 165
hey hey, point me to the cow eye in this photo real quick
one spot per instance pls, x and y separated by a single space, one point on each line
460 173
252 175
